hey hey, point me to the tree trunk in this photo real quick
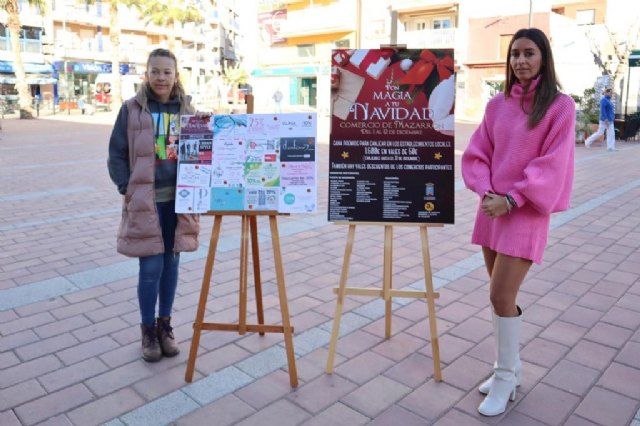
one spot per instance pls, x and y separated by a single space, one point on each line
171 41
24 95
114 37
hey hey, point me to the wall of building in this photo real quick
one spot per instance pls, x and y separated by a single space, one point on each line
572 55
571 9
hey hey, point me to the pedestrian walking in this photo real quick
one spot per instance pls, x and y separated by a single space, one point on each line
277 99
143 172
607 118
520 163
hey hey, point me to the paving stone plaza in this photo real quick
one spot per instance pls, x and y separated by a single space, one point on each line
69 333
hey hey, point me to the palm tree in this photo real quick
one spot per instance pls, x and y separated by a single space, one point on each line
13 22
114 38
176 11
234 77
168 14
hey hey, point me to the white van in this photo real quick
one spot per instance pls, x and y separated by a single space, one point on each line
102 89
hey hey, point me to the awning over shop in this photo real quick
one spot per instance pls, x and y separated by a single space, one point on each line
30 80
28 68
41 80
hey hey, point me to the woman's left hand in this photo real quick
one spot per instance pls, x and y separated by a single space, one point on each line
494 205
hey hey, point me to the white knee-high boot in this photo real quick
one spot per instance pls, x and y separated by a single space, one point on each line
503 385
486 385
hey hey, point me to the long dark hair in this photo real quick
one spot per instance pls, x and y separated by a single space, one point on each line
176 92
548 87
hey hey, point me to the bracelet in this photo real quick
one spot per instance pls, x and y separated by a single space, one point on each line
510 201
509 206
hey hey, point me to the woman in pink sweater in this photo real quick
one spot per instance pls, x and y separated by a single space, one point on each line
520 163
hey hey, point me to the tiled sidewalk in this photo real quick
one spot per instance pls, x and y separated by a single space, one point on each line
68 309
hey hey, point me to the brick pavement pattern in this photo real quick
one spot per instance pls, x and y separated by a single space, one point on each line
69 349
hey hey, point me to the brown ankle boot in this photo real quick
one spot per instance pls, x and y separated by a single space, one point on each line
165 336
151 351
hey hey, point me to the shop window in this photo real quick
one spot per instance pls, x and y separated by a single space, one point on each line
342 44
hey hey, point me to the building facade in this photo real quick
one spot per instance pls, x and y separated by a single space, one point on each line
296 37
68 48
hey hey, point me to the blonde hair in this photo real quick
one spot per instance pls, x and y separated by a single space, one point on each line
176 92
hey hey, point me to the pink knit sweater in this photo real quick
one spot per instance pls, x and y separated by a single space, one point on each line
534 166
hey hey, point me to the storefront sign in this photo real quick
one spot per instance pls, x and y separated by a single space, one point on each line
291 71
391 150
97 68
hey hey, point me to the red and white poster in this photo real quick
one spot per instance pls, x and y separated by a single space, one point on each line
391 143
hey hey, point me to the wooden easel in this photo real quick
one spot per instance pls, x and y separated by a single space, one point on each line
249 230
387 292
249 227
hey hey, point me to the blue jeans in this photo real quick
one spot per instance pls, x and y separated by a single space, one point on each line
158 277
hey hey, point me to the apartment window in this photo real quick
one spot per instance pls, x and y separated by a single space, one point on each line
306 50
415 25
504 46
586 17
29 39
441 23
4 38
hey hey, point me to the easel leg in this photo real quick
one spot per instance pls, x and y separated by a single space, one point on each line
204 294
387 273
244 266
340 302
428 281
284 307
255 253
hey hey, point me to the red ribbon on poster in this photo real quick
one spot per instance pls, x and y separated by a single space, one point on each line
418 73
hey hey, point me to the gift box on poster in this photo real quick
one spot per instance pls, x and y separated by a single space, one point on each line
372 62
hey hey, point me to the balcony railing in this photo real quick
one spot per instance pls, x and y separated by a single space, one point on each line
423 5
435 39
289 56
26 46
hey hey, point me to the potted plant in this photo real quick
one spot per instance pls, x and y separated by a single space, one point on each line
588 115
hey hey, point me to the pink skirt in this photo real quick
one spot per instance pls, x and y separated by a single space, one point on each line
522 233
